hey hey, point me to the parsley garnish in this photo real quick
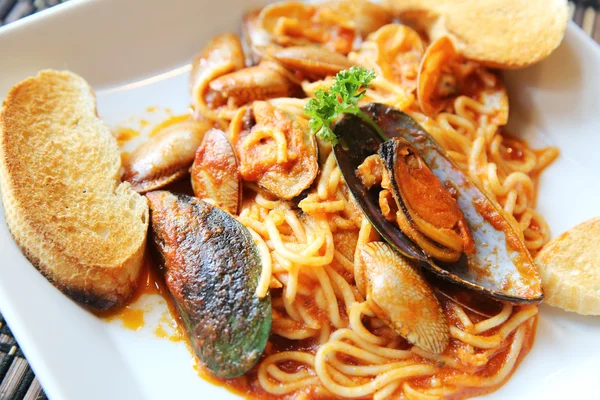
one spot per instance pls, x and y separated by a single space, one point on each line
342 97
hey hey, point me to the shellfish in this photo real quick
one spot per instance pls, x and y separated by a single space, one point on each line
444 75
221 56
294 23
399 295
215 173
277 150
500 266
166 156
310 61
211 267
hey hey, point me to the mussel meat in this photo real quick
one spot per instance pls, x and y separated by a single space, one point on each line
215 174
500 266
423 209
399 295
211 267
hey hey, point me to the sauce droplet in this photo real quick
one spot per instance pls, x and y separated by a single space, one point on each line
168 122
124 135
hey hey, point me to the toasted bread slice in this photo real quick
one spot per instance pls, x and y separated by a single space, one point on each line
507 34
497 33
64 205
570 269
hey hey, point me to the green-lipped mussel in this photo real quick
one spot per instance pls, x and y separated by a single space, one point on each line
211 267
499 265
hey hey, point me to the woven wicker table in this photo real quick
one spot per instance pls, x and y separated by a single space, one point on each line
17 380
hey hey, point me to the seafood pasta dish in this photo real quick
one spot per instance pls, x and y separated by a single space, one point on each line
342 213
339 329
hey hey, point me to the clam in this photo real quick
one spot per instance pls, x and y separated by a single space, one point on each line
211 267
215 173
254 37
444 75
166 156
367 15
394 51
499 266
399 295
221 56
295 23
436 83
277 150
253 83
310 61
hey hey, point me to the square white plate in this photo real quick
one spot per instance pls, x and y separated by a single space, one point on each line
135 53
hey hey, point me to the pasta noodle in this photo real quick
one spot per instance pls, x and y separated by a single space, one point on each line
352 354
326 340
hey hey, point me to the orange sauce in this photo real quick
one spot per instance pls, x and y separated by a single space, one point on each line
151 283
124 135
132 318
515 150
167 123
125 157
247 385
151 109
492 367
168 320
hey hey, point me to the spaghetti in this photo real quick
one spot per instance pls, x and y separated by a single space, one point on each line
340 348
326 341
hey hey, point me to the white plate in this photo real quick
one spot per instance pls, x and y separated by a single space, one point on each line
135 52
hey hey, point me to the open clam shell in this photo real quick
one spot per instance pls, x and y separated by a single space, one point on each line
215 173
277 151
500 267
416 314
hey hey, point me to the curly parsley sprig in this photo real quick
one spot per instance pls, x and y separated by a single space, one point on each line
342 97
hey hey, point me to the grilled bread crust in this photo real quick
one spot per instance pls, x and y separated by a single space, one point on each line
497 33
63 201
569 266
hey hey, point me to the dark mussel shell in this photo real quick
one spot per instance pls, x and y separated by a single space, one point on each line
211 267
501 266
430 216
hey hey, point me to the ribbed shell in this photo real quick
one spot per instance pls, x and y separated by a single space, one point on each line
403 298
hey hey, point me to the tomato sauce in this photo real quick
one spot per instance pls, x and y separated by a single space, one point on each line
152 283
176 119
124 135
